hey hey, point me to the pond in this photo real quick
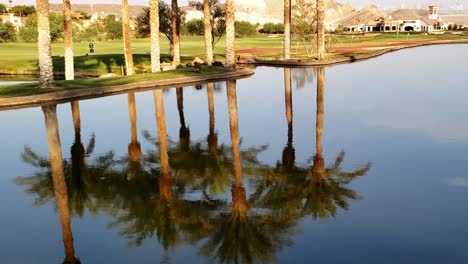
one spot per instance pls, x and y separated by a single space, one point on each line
355 163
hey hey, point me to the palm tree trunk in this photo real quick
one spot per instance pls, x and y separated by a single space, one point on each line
126 38
208 29
287 29
46 71
212 137
230 34
175 20
134 148
320 29
58 178
68 40
154 26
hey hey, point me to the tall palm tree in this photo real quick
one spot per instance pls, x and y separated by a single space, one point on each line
126 38
134 148
207 32
68 40
287 29
175 28
154 27
58 177
46 71
230 34
320 5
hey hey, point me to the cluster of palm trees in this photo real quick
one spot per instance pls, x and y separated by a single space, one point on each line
146 194
46 76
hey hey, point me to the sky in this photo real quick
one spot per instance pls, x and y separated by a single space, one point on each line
356 3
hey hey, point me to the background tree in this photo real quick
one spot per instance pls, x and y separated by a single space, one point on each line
29 32
217 19
143 22
7 32
114 30
3 9
303 25
23 10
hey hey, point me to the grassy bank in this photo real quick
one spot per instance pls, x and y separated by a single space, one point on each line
22 57
31 88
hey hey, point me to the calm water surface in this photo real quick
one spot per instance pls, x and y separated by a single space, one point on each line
356 163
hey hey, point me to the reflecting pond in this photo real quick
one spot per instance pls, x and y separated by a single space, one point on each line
355 163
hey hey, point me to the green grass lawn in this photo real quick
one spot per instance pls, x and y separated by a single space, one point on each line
18 57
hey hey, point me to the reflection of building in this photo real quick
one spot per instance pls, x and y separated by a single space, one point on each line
431 23
16 21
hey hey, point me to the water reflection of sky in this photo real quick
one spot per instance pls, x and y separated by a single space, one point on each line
404 112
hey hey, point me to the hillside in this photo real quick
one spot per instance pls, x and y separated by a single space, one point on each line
362 16
134 10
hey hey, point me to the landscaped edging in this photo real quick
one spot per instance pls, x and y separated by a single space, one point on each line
68 95
359 57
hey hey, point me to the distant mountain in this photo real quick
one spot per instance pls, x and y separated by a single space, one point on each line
134 10
362 16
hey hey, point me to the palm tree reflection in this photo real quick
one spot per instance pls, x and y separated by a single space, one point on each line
174 192
58 179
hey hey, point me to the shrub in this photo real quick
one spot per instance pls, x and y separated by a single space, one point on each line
193 28
7 31
272 28
244 29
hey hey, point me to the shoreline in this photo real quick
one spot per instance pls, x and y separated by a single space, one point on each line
64 96
349 59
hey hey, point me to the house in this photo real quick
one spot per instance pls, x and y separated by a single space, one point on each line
430 23
16 21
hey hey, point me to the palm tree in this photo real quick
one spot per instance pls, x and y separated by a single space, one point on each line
68 40
46 71
230 34
320 29
175 28
126 38
58 176
207 29
134 148
287 29
154 27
